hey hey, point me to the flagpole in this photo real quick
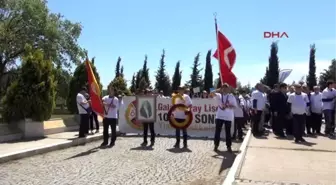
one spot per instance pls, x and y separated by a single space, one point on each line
216 28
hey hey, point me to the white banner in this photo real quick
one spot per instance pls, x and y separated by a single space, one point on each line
283 74
203 125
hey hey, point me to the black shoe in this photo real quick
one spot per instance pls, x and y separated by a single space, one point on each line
144 144
297 141
111 144
177 145
103 144
152 144
216 149
229 149
185 145
302 140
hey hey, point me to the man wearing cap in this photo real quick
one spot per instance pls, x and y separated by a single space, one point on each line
180 116
84 111
225 115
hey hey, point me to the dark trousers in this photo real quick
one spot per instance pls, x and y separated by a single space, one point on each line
309 124
238 127
289 126
298 125
178 132
94 117
316 122
151 129
256 121
110 122
279 124
84 124
267 118
329 117
219 126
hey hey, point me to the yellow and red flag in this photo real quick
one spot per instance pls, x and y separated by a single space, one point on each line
94 90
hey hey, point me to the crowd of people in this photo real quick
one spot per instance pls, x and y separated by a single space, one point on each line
286 110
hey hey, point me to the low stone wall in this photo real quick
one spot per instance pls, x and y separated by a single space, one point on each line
24 130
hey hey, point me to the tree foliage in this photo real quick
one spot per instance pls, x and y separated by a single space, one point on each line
328 74
208 76
162 78
32 94
117 69
177 76
133 85
62 80
311 78
120 86
272 72
145 74
79 80
137 80
196 77
30 22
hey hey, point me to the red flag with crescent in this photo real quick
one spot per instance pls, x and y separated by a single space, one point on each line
226 56
94 90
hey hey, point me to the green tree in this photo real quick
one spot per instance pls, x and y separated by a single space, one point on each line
196 77
79 80
32 94
117 69
273 66
208 76
176 80
137 79
162 79
145 73
122 71
120 86
62 80
30 22
264 79
133 85
328 74
311 78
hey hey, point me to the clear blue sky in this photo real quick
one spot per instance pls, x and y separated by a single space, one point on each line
132 29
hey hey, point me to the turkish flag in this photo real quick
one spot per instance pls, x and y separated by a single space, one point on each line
94 90
226 55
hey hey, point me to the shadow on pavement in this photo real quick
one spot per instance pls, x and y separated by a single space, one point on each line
144 148
179 150
228 159
306 143
289 137
93 150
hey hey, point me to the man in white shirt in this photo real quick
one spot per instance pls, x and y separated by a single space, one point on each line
290 90
239 117
258 105
180 116
225 115
298 103
316 110
111 105
84 111
328 106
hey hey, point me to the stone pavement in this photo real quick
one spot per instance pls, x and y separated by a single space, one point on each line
281 161
124 164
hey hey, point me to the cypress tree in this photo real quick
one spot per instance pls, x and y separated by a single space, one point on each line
162 79
117 69
272 76
176 80
208 76
311 78
195 77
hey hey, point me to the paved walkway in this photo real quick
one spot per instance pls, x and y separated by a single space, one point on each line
281 161
125 164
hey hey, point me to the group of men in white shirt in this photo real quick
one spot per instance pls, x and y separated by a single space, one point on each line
296 111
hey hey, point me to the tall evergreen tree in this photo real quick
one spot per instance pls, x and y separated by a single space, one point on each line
133 85
117 69
137 79
208 76
311 78
162 79
122 71
176 80
272 76
328 74
145 72
264 79
195 77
